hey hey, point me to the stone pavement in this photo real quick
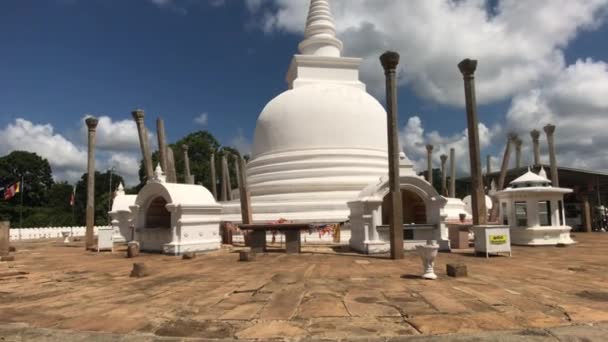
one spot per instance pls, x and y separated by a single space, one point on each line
541 293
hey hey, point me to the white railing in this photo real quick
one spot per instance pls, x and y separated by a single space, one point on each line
40 233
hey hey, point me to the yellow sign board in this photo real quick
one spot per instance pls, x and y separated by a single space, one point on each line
498 239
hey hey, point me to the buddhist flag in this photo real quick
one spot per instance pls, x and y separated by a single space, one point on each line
11 191
72 197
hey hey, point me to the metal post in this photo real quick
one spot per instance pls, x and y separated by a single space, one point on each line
389 61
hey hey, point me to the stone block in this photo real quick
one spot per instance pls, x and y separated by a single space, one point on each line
139 270
7 258
132 249
12 249
4 237
246 255
456 270
188 255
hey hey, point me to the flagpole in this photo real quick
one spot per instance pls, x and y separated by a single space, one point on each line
21 206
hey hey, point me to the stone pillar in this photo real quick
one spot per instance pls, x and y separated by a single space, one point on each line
138 115
488 170
189 179
478 203
518 142
389 61
89 233
535 134
444 183
503 175
5 238
213 179
162 144
170 175
224 187
228 183
429 164
245 196
587 214
237 169
550 130
452 173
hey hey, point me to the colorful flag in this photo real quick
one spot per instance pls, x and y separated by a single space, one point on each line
11 191
72 198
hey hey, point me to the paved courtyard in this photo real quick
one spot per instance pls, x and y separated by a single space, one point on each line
325 293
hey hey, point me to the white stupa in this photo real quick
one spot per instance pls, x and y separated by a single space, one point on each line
319 143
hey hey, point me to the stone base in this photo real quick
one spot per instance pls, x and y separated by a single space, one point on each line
380 247
196 246
541 236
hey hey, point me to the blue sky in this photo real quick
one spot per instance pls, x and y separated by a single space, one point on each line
178 59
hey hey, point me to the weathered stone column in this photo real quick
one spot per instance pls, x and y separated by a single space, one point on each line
535 134
224 186
488 170
5 238
162 144
171 175
245 196
138 115
550 131
429 163
587 214
89 233
237 169
452 173
213 179
504 167
478 203
389 61
189 179
444 183
518 142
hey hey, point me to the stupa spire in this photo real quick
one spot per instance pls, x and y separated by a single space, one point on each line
320 32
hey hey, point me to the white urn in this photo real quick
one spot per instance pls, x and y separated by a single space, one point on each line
428 253
66 236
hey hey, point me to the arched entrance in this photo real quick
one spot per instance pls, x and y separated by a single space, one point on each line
157 215
413 209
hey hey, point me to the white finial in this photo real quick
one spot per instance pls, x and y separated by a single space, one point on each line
159 175
542 172
320 33
493 186
120 190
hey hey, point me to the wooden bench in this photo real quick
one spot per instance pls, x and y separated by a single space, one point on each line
257 239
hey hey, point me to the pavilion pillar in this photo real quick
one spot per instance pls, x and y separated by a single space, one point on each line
444 184
587 224
518 142
213 179
452 173
478 203
189 179
224 187
503 175
389 61
245 196
550 131
162 144
429 164
138 115
90 212
535 134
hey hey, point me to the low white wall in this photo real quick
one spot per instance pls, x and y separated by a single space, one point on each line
46 232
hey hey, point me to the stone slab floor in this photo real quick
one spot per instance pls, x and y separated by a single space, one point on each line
324 293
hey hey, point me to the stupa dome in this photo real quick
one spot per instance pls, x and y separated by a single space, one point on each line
321 116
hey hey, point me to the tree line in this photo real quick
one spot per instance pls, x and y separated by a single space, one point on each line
48 203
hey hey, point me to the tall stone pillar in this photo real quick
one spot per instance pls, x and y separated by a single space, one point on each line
535 134
138 115
171 175
389 61
245 196
213 179
504 167
5 238
444 184
237 169
187 175
162 144
488 170
228 182
478 203
224 186
429 163
452 173
550 131
587 224
89 233
518 142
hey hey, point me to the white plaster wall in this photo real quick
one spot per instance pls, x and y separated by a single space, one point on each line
40 233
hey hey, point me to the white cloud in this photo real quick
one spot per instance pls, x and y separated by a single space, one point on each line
241 143
115 135
518 44
202 119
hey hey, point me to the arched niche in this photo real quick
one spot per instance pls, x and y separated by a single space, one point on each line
157 215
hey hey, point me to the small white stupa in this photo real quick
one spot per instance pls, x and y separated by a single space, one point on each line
319 143
121 215
534 210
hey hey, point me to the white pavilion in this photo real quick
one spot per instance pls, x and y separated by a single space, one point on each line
534 210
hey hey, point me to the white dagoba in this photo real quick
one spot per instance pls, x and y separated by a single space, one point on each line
319 143
122 217
534 210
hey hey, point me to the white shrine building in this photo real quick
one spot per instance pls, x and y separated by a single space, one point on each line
534 211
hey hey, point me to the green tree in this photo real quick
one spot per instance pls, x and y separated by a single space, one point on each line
36 173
